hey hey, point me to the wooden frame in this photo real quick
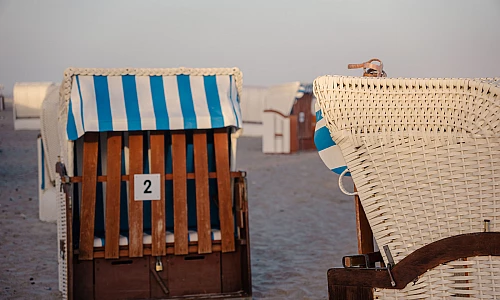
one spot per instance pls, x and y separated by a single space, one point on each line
347 283
230 256
304 131
363 231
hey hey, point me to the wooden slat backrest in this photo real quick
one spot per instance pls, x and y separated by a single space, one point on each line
88 200
135 208
180 192
221 143
113 189
202 192
158 225
116 143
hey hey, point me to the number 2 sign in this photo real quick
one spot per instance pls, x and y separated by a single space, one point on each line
146 187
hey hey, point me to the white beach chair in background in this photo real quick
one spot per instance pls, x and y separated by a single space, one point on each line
48 144
252 107
288 119
27 103
424 155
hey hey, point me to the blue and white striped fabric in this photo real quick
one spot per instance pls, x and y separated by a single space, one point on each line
129 102
328 151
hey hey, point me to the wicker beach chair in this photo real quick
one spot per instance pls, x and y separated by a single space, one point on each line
424 155
152 205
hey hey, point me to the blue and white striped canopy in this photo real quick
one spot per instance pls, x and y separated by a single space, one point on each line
129 102
327 148
305 88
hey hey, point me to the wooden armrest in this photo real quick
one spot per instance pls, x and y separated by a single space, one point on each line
418 262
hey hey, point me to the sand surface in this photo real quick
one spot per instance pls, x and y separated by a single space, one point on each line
28 247
300 223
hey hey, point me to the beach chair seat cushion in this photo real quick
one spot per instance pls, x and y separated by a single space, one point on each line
192 237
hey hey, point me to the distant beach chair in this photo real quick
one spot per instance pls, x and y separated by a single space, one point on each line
424 155
27 103
252 106
288 120
2 99
153 206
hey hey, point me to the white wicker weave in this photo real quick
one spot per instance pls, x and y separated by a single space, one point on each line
61 236
425 157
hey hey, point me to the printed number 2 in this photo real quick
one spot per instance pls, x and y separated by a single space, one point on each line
147 184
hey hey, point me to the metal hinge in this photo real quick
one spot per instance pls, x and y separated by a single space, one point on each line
64 180
390 263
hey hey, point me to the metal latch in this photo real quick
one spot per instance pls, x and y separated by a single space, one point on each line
486 225
159 265
64 180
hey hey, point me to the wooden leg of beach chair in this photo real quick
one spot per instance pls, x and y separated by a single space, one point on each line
89 186
363 230
158 225
135 209
113 187
180 193
224 188
202 192
236 265
245 235
294 139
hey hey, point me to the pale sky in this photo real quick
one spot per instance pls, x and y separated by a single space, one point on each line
271 41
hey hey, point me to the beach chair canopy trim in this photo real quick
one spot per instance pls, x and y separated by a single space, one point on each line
328 149
100 100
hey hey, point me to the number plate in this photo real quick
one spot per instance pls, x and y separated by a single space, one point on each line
146 187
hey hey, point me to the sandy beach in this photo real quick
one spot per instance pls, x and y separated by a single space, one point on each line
300 222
